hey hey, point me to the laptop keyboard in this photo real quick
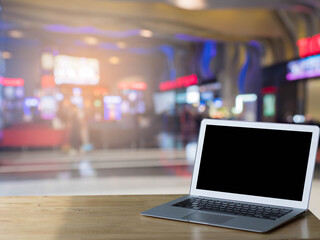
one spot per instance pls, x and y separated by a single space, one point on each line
235 208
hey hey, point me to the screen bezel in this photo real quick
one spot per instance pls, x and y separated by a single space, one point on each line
303 204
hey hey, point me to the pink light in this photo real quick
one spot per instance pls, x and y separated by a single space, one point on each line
304 68
12 82
181 82
165 86
311 74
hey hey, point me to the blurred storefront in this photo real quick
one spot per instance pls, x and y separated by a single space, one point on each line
290 89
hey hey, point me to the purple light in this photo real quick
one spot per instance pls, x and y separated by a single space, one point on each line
91 30
310 74
304 68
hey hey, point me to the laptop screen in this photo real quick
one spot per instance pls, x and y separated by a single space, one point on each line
254 161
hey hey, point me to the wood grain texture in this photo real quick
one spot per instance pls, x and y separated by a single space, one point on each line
118 217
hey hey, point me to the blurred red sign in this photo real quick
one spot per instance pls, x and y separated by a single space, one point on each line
132 85
12 82
309 46
181 82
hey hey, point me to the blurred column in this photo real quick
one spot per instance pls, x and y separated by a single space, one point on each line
228 76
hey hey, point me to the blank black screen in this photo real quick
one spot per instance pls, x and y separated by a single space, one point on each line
260 162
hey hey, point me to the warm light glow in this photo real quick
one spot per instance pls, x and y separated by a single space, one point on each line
190 4
132 85
91 40
47 81
146 33
121 45
76 70
6 55
114 60
15 34
100 91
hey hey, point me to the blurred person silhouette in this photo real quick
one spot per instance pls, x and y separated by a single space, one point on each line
75 132
64 114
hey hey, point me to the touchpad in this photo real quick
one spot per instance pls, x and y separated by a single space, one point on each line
207 218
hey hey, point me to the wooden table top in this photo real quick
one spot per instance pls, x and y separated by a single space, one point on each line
118 217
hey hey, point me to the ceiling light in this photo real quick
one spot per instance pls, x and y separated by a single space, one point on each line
15 34
121 45
190 4
146 33
114 60
91 40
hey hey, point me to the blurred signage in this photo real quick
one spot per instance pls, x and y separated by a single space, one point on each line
181 82
309 46
31 102
76 70
12 82
48 107
29 106
304 68
132 85
269 105
112 107
193 95
241 99
112 99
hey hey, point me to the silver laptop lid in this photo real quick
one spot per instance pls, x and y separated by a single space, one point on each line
257 162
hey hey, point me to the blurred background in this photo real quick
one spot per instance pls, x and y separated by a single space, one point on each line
106 97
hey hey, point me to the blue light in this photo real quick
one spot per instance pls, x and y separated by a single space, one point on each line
243 74
218 103
209 51
169 52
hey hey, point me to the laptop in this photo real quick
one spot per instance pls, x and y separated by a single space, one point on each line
251 176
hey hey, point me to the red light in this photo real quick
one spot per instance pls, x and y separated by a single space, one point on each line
181 82
12 82
309 46
269 90
165 86
47 81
